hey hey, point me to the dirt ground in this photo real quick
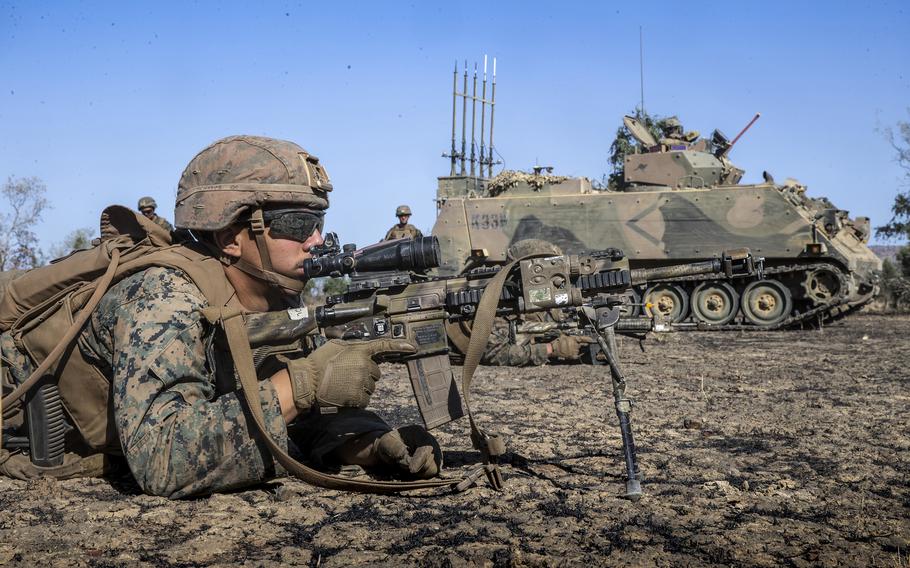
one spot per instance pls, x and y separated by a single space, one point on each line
758 449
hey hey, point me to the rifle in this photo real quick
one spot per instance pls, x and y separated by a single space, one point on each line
391 296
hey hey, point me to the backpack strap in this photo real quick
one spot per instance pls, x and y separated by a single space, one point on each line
100 289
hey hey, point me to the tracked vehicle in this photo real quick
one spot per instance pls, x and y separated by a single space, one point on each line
678 201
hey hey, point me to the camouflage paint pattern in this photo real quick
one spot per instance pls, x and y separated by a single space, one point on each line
179 418
398 232
502 351
652 224
240 172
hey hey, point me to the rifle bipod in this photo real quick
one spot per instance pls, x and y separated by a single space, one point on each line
606 338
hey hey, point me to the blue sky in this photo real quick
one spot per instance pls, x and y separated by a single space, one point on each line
108 101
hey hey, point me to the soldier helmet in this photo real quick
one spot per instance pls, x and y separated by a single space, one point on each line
525 247
402 210
672 125
146 203
238 174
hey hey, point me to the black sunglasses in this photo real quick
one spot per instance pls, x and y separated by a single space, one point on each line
295 224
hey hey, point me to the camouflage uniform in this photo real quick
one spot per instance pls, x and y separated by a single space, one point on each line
148 205
403 229
523 352
399 232
163 223
175 403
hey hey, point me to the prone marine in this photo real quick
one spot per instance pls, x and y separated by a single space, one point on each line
156 343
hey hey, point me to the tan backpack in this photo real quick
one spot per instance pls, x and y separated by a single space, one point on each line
45 309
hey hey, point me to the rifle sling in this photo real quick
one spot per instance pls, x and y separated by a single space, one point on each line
491 446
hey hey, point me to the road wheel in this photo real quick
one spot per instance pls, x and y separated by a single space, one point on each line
766 303
631 306
670 300
715 303
822 285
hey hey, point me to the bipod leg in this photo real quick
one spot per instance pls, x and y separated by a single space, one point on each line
607 340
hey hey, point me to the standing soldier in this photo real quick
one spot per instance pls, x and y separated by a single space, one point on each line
403 229
147 207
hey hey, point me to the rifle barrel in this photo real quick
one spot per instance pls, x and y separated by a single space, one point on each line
643 275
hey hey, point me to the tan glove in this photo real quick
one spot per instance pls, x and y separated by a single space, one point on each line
341 373
411 449
568 347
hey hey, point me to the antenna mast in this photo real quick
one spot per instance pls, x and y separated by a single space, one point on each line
483 115
485 155
492 107
464 115
453 154
641 68
473 118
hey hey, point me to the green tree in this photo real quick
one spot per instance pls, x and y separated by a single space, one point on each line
76 240
318 288
624 144
899 226
18 241
903 261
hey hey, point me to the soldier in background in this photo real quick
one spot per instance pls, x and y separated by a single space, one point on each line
403 229
675 137
147 207
509 347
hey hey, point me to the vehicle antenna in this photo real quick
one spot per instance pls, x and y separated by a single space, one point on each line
453 155
641 68
483 116
464 115
492 107
473 118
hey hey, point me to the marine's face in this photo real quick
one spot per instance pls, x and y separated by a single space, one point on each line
148 212
288 254
403 219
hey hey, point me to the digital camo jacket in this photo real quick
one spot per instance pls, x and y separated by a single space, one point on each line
178 414
174 398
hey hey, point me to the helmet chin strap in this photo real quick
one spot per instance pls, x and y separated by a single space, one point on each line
266 273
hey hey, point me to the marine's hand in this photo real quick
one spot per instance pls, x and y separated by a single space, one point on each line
412 450
341 373
568 347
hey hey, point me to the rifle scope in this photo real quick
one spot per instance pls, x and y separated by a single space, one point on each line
400 254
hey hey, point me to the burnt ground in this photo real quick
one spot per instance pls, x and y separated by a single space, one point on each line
758 449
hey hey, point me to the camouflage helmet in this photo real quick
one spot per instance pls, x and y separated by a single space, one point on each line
241 173
146 203
525 247
402 210
672 125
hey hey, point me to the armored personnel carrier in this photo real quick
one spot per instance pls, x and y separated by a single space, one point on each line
678 200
